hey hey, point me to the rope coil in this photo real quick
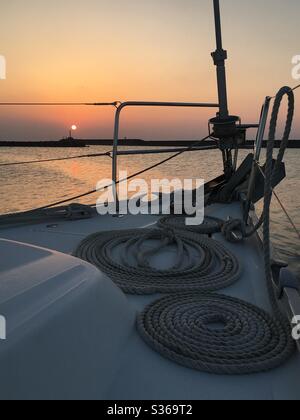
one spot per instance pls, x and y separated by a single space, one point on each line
215 334
233 230
209 226
202 264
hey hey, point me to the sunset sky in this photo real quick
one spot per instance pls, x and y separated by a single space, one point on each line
104 50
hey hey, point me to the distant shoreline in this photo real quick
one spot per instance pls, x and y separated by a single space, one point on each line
79 143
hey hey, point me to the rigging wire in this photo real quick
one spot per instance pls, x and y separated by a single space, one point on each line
281 204
115 103
58 203
295 88
56 159
292 90
287 214
108 154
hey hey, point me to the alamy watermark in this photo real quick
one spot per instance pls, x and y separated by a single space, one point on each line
2 67
296 67
160 196
2 328
296 329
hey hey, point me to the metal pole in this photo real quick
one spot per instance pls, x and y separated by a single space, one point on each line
262 128
115 154
219 56
124 105
257 152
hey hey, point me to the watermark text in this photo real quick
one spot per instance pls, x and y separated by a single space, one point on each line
296 329
2 67
296 67
2 328
157 197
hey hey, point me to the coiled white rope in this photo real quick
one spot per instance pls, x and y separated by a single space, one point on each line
209 226
215 333
201 264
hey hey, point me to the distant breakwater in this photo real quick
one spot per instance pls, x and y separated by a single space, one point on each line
293 144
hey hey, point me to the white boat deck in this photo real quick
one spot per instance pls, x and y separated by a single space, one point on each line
138 372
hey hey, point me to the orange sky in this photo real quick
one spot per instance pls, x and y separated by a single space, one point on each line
103 50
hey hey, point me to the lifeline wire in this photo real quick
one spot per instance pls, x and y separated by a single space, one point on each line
30 162
58 203
60 103
281 204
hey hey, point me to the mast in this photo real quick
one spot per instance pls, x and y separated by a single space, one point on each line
225 128
220 56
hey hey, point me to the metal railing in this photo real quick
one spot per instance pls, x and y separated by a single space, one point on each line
124 105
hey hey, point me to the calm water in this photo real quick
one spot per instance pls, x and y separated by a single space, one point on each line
27 187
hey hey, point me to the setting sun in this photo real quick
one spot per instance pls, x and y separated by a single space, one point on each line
74 127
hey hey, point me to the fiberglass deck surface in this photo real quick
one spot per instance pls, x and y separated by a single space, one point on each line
144 374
